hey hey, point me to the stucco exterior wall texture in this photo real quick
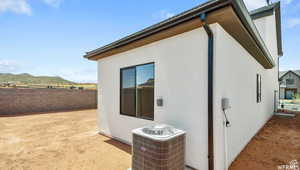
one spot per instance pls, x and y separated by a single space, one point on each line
26 101
235 78
181 80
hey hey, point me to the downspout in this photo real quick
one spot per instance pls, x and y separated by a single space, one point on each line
279 81
210 92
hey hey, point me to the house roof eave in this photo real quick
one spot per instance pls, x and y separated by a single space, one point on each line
208 7
244 15
170 22
290 71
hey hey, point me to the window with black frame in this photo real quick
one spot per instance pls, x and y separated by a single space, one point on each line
258 88
290 81
137 91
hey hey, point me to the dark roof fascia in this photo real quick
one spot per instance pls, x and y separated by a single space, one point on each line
244 16
297 72
263 11
290 71
207 7
281 74
171 22
280 78
267 11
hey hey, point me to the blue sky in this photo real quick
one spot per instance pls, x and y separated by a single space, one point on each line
49 37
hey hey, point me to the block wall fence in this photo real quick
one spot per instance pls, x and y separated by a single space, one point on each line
27 101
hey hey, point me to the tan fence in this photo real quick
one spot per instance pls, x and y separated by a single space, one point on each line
20 101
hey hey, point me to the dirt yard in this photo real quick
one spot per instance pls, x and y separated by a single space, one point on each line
276 144
69 140
62 141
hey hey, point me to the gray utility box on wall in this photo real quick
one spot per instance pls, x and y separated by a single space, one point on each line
158 147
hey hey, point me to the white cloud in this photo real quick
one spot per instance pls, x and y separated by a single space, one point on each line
8 66
288 1
75 74
22 6
16 6
53 3
163 14
292 22
254 4
80 75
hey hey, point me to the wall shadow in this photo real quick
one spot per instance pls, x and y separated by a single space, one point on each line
122 146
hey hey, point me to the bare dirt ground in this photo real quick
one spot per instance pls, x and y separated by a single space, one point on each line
276 144
66 140
69 140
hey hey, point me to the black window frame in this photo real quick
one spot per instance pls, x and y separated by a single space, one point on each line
258 88
290 81
135 100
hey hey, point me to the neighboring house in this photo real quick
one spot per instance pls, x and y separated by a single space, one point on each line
178 71
289 83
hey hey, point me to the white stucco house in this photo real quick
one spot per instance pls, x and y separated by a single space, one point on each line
178 71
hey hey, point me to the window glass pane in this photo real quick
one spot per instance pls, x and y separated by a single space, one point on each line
258 88
289 81
145 91
128 91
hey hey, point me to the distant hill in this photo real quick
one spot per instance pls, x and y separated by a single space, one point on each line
27 79
149 82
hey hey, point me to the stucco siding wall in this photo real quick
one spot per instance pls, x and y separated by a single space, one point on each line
235 78
267 28
180 79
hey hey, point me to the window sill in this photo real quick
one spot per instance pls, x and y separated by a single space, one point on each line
144 118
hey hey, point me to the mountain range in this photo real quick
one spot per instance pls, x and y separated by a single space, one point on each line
26 79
